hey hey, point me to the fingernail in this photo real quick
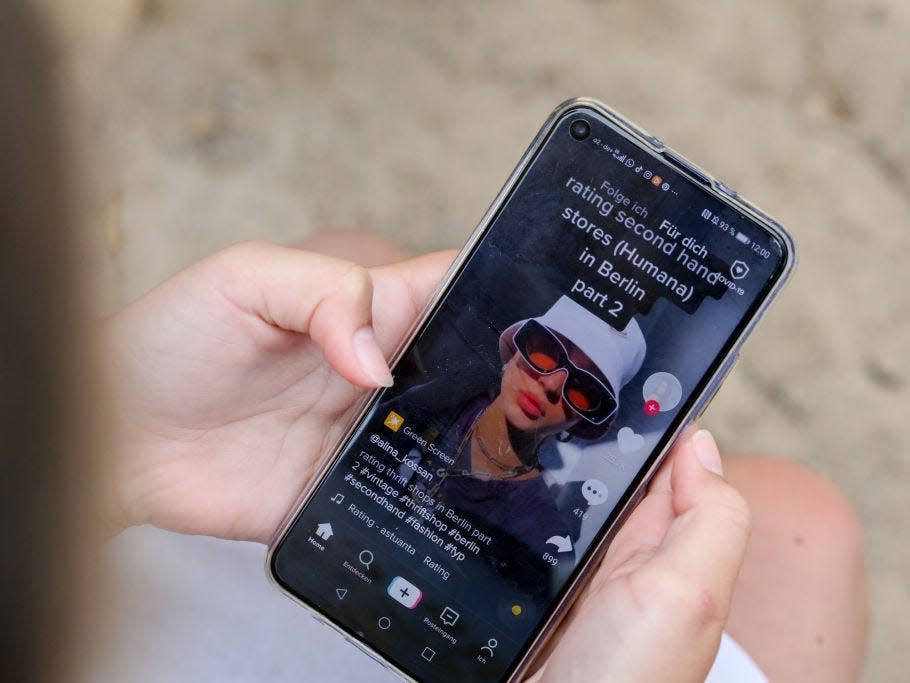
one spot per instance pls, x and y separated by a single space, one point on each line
706 451
370 357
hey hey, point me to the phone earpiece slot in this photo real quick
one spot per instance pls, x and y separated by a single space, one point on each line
688 167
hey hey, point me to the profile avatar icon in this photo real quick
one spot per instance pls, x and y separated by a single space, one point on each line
662 392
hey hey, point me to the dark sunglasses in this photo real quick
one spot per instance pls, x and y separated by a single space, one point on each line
586 394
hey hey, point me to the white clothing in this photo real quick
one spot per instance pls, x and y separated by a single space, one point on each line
191 608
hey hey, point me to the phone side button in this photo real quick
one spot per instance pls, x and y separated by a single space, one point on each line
376 659
366 650
706 401
715 385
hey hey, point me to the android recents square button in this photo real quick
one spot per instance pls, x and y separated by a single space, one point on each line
428 654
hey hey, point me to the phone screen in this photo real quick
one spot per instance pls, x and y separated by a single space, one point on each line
583 327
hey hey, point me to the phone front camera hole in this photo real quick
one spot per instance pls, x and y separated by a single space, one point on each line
580 129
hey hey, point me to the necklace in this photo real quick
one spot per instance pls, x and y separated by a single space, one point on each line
508 472
511 472
444 473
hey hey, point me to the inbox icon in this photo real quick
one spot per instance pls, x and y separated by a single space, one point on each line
448 616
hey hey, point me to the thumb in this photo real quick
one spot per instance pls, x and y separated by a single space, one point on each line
705 544
328 299
707 539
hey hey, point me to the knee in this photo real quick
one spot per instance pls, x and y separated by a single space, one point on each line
801 603
796 500
826 510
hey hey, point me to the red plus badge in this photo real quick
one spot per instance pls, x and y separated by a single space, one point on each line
652 407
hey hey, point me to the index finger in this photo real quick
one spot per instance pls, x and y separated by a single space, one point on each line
401 291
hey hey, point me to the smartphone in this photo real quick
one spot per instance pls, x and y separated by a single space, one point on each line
590 318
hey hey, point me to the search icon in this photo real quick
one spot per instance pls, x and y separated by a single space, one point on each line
366 558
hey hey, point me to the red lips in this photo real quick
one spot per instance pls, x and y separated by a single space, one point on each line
530 405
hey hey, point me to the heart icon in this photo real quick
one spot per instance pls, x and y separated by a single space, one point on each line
629 441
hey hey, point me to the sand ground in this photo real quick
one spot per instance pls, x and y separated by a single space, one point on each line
211 121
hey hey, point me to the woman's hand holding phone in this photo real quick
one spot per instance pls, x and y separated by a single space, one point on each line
235 376
656 607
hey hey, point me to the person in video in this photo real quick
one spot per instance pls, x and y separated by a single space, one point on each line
562 373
